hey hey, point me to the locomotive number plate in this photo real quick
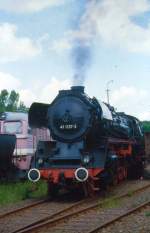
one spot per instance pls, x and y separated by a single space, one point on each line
68 127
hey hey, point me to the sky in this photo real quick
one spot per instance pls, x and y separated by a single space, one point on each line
50 45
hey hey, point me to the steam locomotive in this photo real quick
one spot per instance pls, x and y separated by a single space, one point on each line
93 145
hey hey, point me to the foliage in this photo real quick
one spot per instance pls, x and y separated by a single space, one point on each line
147 214
146 126
111 203
10 102
22 107
15 192
3 100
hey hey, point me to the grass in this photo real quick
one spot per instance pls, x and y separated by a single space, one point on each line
15 192
147 214
130 193
111 203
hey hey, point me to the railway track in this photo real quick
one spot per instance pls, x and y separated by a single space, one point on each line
42 221
120 217
53 208
22 208
57 221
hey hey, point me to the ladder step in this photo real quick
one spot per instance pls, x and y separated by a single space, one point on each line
94 188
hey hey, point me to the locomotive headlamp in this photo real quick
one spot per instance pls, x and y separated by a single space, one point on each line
81 174
40 161
34 175
86 159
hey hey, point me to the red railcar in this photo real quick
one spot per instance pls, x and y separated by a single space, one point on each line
16 123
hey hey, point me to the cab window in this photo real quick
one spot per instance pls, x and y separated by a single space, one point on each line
13 127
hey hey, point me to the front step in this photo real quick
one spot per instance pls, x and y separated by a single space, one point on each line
94 188
94 184
95 178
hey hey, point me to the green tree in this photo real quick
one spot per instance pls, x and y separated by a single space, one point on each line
10 102
146 126
22 107
3 100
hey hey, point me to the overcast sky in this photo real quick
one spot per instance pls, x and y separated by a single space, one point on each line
37 38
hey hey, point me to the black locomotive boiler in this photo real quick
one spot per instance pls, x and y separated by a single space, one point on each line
92 145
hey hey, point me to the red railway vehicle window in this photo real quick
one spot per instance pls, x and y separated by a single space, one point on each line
13 127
